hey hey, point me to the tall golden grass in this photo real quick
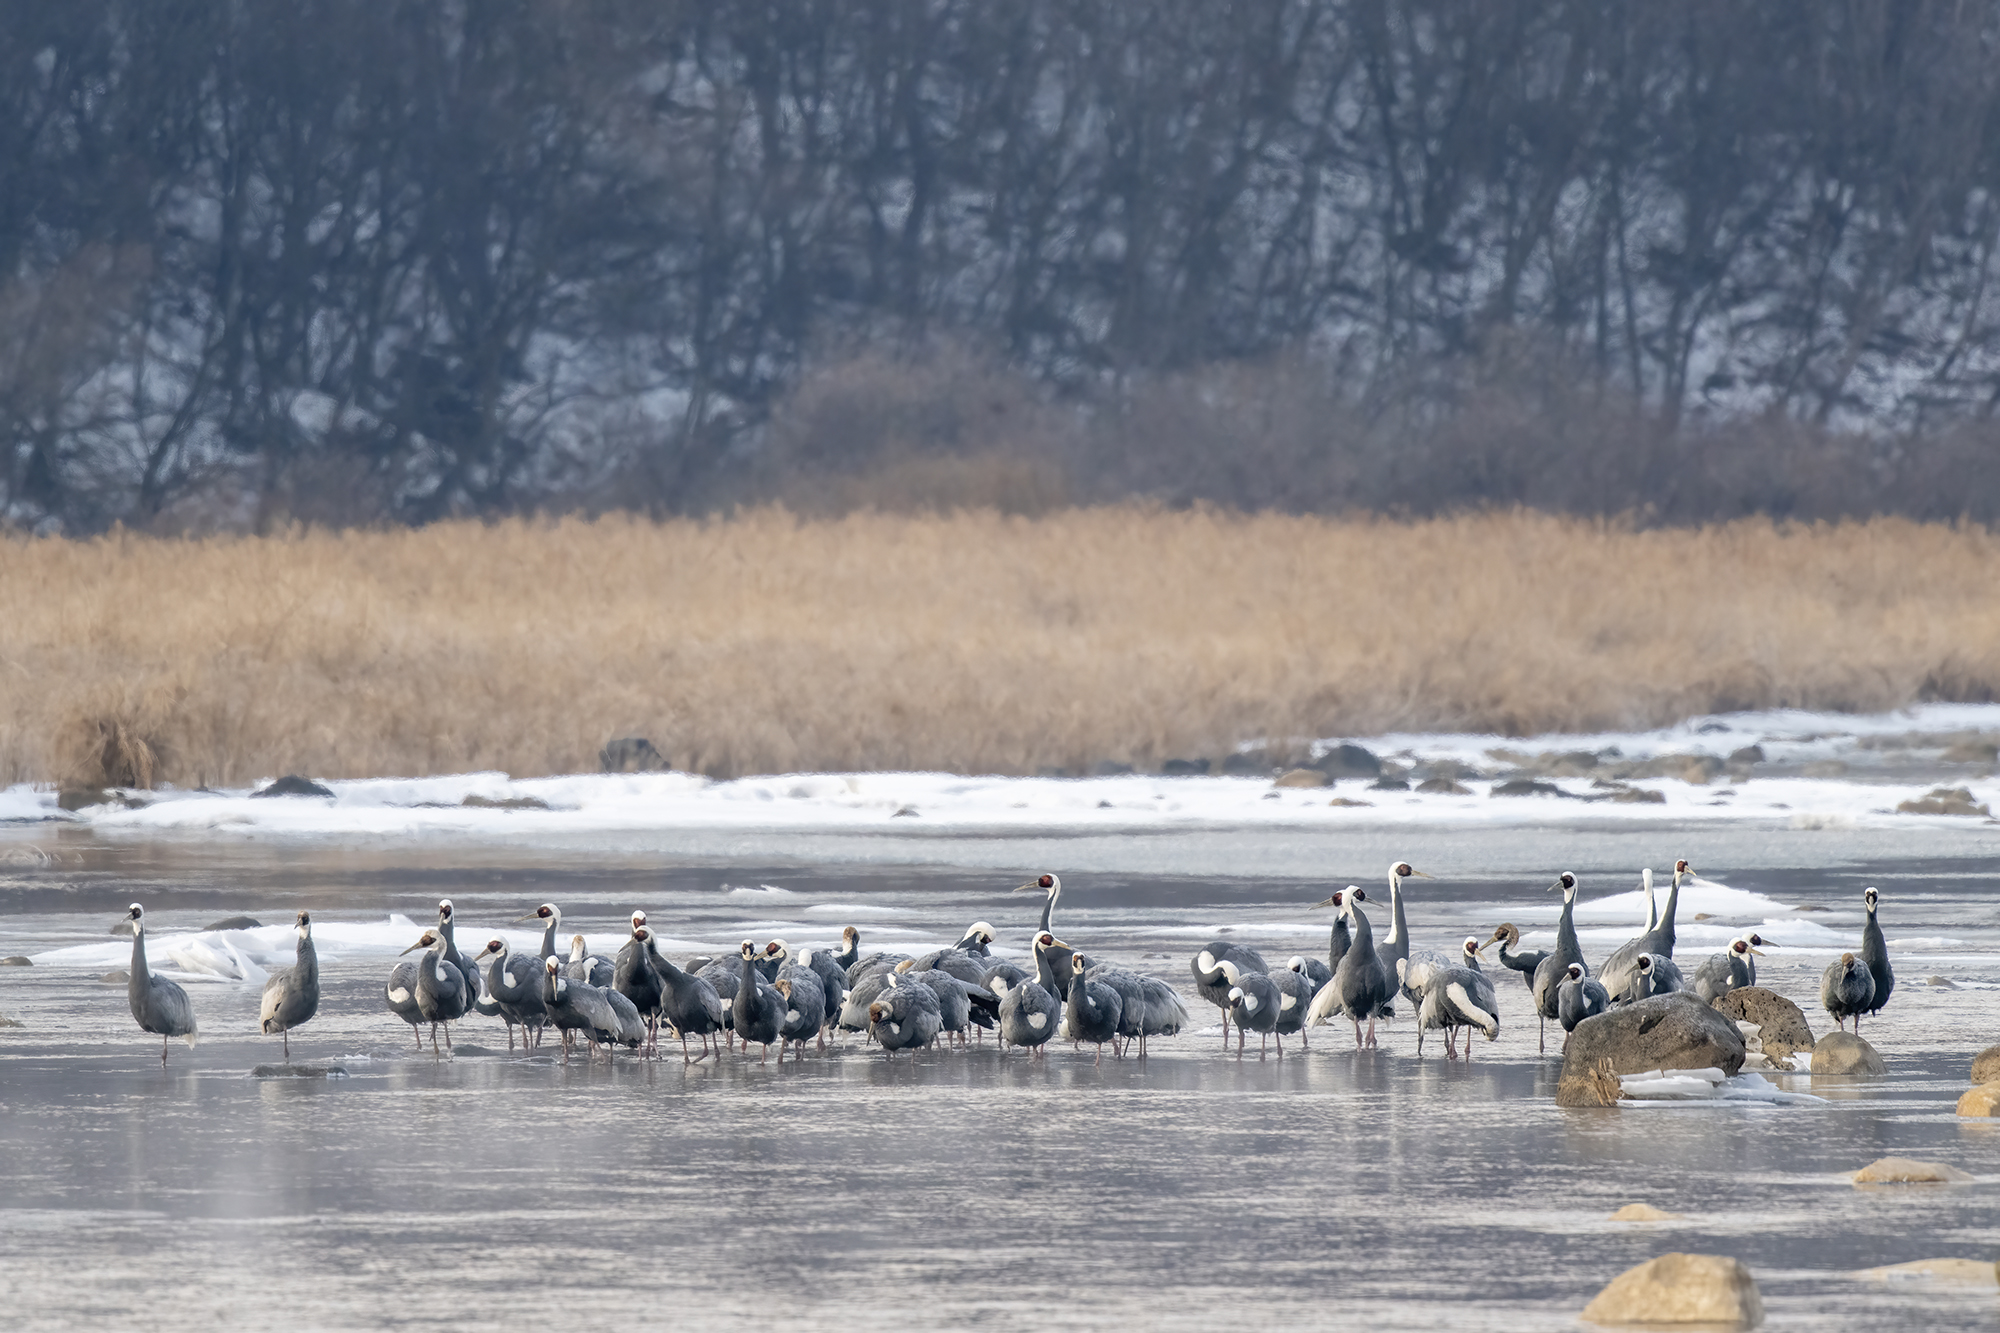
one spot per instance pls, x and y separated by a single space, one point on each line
970 642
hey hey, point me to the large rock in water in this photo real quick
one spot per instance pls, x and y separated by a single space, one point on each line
1674 1031
1781 1025
1711 1289
1983 1100
1986 1066
1909 1171
1845 1053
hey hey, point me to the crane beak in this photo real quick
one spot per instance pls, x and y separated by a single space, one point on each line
1329 902
414 947
1031 887
1756 952
531 916
1484 947
1422 875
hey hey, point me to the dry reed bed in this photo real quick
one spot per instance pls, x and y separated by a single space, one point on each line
969 642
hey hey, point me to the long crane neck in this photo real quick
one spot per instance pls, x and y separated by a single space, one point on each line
1398 927
140 973
1652 903
1665 928
1566 941
1049 911
1364 934
549 935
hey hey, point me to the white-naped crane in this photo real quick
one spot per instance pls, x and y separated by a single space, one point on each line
291 994
1549 973
158 1005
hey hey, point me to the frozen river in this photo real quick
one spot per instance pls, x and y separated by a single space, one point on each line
962 1189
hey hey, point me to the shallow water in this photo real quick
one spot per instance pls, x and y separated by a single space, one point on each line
958 1188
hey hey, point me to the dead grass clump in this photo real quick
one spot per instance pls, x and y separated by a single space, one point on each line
111 752
973 641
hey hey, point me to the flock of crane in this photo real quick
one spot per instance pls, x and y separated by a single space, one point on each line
772 995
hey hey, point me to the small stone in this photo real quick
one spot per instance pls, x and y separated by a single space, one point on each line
1184 768
1710 1289
1986 1066
1389 784
1350 804
1844 1053
235 923
1638 796
505 803
1942 983
1443 787
1983 1100
119 978
1749 754
1909 1171
1110 768
1958 1272
1301 777
1824 768
82 798
1703 916
6 1022
17 960
1642 1212
1971 752
906 812
293 785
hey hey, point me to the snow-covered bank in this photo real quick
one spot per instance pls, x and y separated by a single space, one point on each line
1818 770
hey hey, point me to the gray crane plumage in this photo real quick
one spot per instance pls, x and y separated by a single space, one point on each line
1555 965
1657 938
399 992
1509 939
514 980
805 1007
1875 953
758 1010
1846 990
291 994
1721 973
441 990
904 1017
1213 984
688 1004
1253 1007
1458 998
1365 986
158 1005
1579 997
1093 1010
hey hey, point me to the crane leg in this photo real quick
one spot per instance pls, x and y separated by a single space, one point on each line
287 1034
163 1051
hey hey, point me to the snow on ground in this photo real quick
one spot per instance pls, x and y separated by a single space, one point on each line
918 803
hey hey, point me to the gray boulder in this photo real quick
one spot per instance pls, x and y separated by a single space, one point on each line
293 785
234 923
631 754
1845 1053
17 960
1349 761
1782 1026
1675 1031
